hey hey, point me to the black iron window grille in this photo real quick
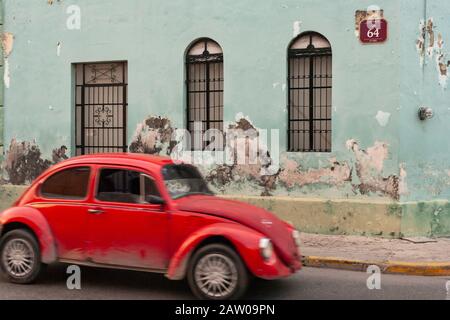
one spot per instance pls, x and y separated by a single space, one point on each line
204 87
309 94
100 107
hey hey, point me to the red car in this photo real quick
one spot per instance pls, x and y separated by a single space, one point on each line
142 212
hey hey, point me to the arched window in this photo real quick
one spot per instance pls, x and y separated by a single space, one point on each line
204 84
309 100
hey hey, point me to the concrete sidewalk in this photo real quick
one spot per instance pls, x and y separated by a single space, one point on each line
414 256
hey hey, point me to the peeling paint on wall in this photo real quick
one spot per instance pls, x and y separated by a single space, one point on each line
441 63
336 174
7 45
59 154
369 168
258 167
420 42
435 49
430 32
153 136
23 162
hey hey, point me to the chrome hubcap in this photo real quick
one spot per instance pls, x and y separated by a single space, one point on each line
18 257
216 275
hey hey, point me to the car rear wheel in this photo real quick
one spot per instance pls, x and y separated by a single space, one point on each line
20 258
217 272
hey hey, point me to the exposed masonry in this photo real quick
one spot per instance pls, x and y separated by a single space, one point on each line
257 168
292 174
433 49
368 168
59 154
24 163
153 136
430 33
420 42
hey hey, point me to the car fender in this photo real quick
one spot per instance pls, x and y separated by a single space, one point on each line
34 220
244 239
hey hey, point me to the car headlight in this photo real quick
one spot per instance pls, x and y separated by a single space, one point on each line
296 236
266 248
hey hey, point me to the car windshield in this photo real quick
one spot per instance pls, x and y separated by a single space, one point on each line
183 180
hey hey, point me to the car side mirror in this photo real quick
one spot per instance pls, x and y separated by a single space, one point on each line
154 200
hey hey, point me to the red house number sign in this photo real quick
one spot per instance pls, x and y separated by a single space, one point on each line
373 31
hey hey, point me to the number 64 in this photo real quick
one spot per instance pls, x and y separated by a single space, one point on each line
373 33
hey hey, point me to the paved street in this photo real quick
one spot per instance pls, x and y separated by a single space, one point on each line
310 283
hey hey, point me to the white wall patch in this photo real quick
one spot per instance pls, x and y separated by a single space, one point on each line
296 28
6 76
58 49
383 118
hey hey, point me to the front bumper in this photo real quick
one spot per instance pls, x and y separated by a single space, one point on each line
276 269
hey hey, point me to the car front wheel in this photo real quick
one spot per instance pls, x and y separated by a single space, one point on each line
217 272
20 257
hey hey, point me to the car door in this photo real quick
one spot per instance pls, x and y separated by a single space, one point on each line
63 200
124 228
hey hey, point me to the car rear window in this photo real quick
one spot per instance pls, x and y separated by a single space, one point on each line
67 184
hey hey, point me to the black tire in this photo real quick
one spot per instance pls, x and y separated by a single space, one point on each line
229 258
27 239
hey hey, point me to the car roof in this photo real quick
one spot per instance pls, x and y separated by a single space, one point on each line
131 159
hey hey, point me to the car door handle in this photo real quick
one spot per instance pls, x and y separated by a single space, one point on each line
96 211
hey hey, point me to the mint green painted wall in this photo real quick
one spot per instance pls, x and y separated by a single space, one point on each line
424 145
153 36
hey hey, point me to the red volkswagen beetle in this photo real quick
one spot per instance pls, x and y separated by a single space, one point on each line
147 213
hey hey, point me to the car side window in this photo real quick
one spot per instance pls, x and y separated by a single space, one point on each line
150 188
126 186
67 184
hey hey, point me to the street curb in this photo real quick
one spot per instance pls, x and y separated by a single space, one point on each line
390 267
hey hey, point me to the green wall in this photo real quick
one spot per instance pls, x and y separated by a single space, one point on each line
424 146
153 36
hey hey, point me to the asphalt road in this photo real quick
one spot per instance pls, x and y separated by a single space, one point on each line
310 283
